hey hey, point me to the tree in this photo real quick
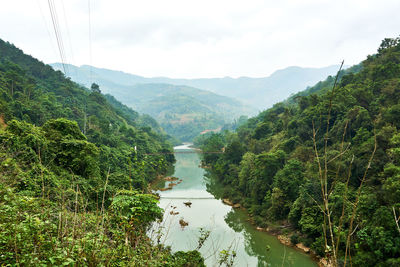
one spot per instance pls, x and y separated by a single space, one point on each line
95 88
213 144
388 43
289 179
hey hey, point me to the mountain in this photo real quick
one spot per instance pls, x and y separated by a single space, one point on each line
257 92
325 165
75 168
33 92
183 111
323 86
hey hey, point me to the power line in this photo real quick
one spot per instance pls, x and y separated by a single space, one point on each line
90 45
90 64
61 40
56 27
47 27
68 35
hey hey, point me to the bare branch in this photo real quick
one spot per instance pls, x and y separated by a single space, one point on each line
396 219
340 154
344 204
357 200
318 205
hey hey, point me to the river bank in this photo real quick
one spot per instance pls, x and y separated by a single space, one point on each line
229 227
277 231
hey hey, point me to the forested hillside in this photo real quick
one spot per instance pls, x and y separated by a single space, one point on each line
74 173
182 111
324 86
327 164
34 93
185 112
260 92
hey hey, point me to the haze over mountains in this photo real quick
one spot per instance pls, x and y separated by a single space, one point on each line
183 111
260 93
186 107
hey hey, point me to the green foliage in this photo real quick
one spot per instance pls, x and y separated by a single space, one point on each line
214 143
183 112
95 88
294 238
34 236
35 93
185 116
25 228
67 159
191 258
132 208
227 257
270 163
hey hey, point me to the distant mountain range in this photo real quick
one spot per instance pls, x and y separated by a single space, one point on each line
185 111
182 111
260 93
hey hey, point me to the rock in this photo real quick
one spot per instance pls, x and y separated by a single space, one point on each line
188 204
183 223
171 178
284 240
324 263
227 202
170 186
230 203
303 247
165 189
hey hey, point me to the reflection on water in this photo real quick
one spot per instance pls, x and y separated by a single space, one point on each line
229 227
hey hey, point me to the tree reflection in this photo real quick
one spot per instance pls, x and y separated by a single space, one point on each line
254 243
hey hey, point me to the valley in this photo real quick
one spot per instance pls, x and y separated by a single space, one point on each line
185 111
200 133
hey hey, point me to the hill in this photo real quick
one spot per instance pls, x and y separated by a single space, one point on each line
35 93
260 93
324 86
183 112
74 173
325 166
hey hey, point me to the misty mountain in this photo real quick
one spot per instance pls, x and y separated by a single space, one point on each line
258 92
183 111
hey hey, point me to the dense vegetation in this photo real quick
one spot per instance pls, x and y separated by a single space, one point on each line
182 111
185 112
74 173
328 164
323 87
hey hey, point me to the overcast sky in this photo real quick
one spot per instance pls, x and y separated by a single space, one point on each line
203 38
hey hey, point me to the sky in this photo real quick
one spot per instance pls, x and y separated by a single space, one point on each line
203 38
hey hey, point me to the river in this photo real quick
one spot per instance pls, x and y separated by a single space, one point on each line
230 229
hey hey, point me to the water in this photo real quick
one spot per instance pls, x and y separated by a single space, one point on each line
229 227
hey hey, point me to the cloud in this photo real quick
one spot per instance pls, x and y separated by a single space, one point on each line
185 38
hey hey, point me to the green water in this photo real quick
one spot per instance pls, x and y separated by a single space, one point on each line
229 227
